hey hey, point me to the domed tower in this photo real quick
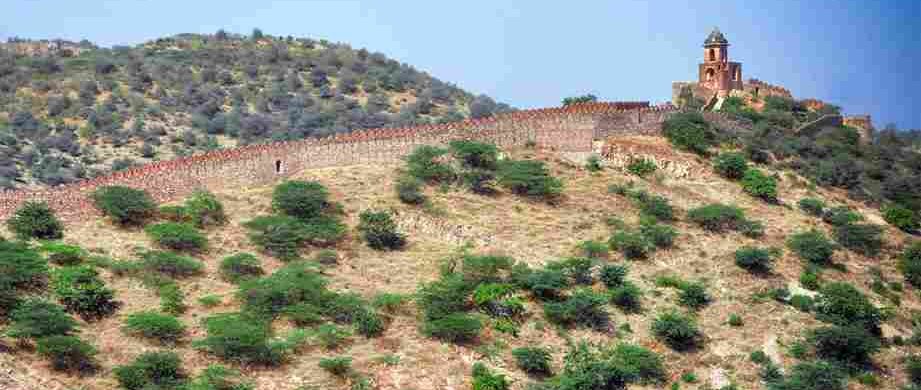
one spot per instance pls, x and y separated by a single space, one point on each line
717 73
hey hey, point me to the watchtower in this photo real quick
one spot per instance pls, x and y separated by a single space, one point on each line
717 73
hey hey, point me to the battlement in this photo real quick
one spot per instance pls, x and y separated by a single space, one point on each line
762 89
570 129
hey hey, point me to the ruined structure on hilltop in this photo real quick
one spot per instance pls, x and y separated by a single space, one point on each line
720 78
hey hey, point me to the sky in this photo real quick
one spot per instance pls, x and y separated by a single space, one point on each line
859 54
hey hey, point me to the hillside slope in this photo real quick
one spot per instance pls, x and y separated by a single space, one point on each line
532 232
65 116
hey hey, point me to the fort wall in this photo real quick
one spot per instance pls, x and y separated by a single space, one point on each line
566 129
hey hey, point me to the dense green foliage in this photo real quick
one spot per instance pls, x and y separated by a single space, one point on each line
126 206
863 238
485 379
756 183
35 220
170 264
81 291
757 260
241 267
178 236
425 164
677 330
901 217
454 327
641 167
242 338
528 177
812 246
730 165
35 318
910 263
848 345
156 370
379 230
63 254
718 218
583 308
204 209
153 325
217 377
189 93
533 360
300 199
689 131
842 304
339 365
67 353
812 206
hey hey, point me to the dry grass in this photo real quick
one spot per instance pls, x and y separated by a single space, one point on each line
529 231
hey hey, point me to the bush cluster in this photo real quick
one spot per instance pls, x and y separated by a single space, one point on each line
689 131
125 205
863 238
901 217
756 183
245 339
152 370
170 264
153 325
204 209
730 165
241 267
409 190
812 206
380 231
850 345
34 318
719 218
68 353
177 236
677 330
529 178
757 260
485 379
425 164
63 254
35 220
910 263
300 199
80 290
641 167
533 360
842 304
812 246
584 308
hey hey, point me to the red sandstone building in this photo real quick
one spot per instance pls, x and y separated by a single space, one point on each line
717 73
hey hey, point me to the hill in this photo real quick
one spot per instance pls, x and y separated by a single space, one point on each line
605 258
70 111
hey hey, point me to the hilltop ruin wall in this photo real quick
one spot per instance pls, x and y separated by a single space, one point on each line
567 129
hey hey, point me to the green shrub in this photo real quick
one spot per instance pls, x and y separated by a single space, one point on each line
613 275
126 206
155 325
577 269
294 283
910 263
677 330
842 304
409 190
583 307
809 279
484 268
689 131
590 368
640 364
641 167
730 165
443 297
818 375
913 369
67 353
178 236
760 185
283 236
454 327
593 249
331 336
593 164
484 379
218 377
81 291
656 207
241 267
751 229
662 236
841 215
717 217
901 217
693 295
63 254
170 264
210 300
812 206
34 318
862 238
480 181
850 345
757 260
35 220
423 163
627 296
338 366
812 246
369 324
490 297
735 320
475 155
20 266
152 370
204 209
240 338
633 245
300 199
530 178
533 360
546 283
380 231
172 299
802 303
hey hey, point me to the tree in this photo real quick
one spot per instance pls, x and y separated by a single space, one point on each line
257 34
589 98
35 220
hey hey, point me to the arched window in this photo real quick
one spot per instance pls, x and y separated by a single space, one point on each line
277 166
710 74
712 55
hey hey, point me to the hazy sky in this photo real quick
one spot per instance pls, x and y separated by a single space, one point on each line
862 55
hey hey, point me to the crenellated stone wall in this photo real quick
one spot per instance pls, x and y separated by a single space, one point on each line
566 129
